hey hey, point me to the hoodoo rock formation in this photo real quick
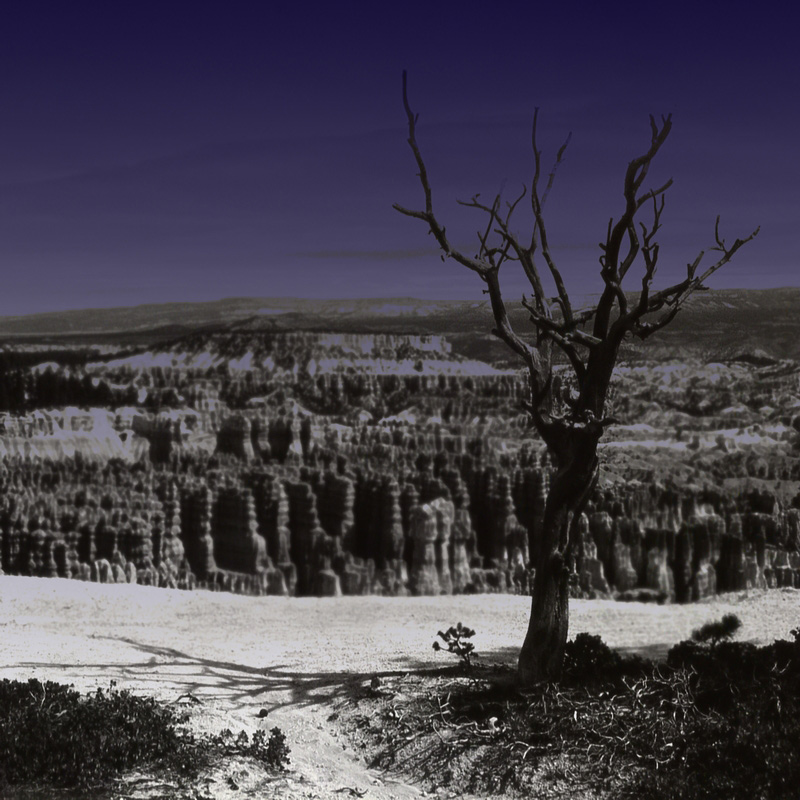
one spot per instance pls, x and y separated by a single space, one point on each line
319 463
290 528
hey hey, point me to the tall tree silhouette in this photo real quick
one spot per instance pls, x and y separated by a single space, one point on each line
570 423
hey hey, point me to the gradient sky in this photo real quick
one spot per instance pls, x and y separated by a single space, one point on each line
169 152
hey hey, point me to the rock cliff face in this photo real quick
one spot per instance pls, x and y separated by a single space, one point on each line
421 530
295 463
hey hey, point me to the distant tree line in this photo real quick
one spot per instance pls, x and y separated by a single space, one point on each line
22 390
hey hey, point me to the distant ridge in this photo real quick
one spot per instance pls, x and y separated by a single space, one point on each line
721 323
228 310
291 312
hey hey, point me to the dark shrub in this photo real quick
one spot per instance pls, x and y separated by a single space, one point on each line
588 659
715 632
747 723
50 732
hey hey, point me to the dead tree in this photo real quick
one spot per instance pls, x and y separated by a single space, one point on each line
588 338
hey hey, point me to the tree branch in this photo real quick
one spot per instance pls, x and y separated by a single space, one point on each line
612 272
509 240
592 355
676 296
564 339
539 228
488 270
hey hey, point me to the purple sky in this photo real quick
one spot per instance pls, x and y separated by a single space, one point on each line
156 152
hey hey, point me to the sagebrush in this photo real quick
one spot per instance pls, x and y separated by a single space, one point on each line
51 733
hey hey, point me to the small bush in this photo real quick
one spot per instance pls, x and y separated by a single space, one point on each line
455 637
273 752
586 656
49 732
588 659
643 595
715 632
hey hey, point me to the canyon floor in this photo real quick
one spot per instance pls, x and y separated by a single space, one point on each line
229 659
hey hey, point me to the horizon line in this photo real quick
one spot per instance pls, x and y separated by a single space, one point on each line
345 299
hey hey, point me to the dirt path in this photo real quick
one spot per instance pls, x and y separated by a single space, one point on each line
293 657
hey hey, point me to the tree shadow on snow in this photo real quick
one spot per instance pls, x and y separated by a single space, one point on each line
170 670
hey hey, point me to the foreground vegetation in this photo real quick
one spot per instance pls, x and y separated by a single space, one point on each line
51 734
715 719
718 719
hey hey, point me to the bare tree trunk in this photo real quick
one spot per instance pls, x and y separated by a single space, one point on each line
542 652
543 649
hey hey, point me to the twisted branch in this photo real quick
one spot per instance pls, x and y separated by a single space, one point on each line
592 355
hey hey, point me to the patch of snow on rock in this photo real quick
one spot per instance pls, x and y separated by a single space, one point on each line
245 363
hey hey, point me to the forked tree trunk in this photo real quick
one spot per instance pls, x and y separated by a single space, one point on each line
542 652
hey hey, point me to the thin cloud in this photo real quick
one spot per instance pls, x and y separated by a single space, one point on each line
417 252
371 255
